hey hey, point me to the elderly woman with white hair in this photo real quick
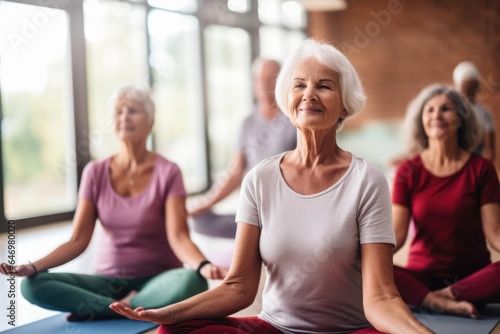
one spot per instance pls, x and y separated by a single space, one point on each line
317 217
452 196
139 198
467 79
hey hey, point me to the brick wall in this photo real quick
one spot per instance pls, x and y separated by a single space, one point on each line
400 46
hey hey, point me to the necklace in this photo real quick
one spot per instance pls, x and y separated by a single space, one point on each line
134 168
131 177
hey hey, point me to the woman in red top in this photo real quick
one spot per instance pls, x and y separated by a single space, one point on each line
452 196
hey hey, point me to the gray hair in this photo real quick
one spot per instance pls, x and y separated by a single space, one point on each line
138 94
351 90
468 132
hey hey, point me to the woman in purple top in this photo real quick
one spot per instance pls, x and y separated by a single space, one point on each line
139 198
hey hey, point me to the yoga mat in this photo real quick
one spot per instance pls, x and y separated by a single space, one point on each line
450 324
439 323
58 325
214 225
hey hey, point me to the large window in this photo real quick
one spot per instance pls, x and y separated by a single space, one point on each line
59 65
282 28
277 43
38 160
176 71
229 89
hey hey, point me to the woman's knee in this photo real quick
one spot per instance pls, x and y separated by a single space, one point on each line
32 287
169 287
196 283
189 280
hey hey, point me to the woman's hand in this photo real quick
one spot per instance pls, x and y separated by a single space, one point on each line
211 271
159 316
21 270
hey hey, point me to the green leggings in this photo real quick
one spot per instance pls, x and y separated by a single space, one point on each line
91 295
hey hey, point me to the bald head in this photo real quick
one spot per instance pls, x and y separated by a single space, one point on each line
264 73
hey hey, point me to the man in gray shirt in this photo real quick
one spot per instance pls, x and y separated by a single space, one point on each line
265 132
467 80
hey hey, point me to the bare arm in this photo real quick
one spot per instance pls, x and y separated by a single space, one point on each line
84 222
180 241
401 221
237 291
222 189
490 215
382 303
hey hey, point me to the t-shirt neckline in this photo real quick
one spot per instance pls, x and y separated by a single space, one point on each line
330 188
145 190
445 176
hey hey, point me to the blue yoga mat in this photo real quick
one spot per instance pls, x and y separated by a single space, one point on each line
450 324
59 325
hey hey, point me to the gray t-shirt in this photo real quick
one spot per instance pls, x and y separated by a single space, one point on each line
261 138
310 244
487 122
485 117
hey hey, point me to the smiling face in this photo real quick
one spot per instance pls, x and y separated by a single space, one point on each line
440 119
314 99
132 122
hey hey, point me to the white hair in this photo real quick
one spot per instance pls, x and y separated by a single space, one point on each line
464 71
138 94
351 90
